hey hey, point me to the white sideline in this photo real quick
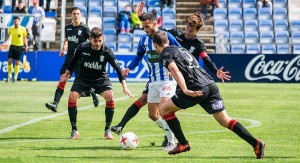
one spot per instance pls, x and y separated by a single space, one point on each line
35 120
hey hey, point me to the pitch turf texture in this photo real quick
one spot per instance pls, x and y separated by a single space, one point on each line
31 133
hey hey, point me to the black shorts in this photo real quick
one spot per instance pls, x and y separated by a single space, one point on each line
66 64
82 86
15 52
146 89
211 100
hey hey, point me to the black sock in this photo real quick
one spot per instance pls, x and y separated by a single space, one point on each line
73 116
58 94
242 132
175 126
109 113
130 113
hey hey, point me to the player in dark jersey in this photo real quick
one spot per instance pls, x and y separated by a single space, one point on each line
75 34
195 86
92 58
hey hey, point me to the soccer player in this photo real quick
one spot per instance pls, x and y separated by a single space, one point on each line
92 58
75 34
196 86
18 41
161 86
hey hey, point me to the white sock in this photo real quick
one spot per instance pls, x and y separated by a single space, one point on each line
164 126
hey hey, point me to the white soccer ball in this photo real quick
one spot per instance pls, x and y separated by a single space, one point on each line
129 141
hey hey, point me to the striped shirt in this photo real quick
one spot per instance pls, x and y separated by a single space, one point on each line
38 10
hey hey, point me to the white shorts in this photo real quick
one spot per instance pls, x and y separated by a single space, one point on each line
158 90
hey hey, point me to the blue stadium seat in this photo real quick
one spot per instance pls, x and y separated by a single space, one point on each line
236 25
168 13
79 3
280 25
235 13
137 33
153 3
250 13
94 22
123 3
264 13
282 37
234 4
221 39
134 46
95 11
265 25
279 3
295 37
125 37
268 49
110 3
222 3
253 49
283 49
251 25
296 49
236 37
251 37
169 24
294 25
83 11
238 49
249 4
266 37
279 13
51 14
110 12
111 45
95 3
109 23
124 47
110 35
220 13
220 25
7 9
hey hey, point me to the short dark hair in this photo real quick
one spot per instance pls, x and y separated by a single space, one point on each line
195 20
16 17
75 8
96 32
160 38
149 16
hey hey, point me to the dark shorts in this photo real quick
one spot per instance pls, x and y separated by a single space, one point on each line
15 52
211 100
66 64
146 89
82 86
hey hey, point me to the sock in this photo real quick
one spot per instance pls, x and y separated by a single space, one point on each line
109 113
175 126
242 132
59 92
130 113
164 126
10 67
16 71
72 110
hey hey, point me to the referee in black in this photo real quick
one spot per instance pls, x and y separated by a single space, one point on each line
195 86
91 59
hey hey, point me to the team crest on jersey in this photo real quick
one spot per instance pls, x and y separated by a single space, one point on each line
79 32
192 49
101 58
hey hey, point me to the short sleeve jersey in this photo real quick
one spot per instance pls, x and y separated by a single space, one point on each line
75 36
17 35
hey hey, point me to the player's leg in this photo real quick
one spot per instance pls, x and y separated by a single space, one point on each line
16 70
16 56
10 68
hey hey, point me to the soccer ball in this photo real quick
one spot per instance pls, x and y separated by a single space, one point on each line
129 141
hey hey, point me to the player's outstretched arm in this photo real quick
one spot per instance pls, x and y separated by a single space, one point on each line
140 9
223 75
125 89
125 72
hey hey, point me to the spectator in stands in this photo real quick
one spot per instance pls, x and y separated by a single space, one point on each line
159 18
20 8
264 3
47 5
167 3
204 3
135 21
123 20
1 6
37 23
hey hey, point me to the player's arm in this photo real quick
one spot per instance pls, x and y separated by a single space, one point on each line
172 40
25 40
64 48
75 58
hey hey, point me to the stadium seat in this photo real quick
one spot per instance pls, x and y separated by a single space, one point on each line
296 49
95 11
153 3
283 49
235 13
280 25
94 22
266 37
123 3
111 45
110 12
238 49
236 25
295 37
79 3
253 49
222 40
220 14
279 3
282 37
236 37
222 3
234 4
7 9
220 25
83 10
294 25
48 32
51 14
251 25
249 4
83 20
268 49
124 47
125 37
110 3
265 25
293 13
279 13
109 23
168 13
169 24
110 35
250 13
264 13
137 33
251 37
134 46
95 3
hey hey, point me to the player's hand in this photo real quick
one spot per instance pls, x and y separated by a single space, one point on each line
193 93
141 8
61 53
223 75
125 72
125 89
